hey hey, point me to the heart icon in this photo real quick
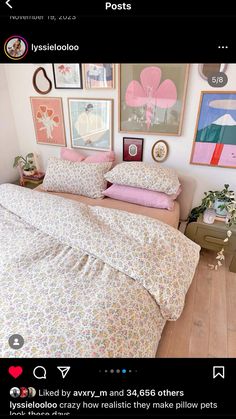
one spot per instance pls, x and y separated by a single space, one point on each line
15 371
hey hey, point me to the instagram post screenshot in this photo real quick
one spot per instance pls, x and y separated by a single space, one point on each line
117 210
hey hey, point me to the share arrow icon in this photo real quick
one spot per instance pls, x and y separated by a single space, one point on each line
64 371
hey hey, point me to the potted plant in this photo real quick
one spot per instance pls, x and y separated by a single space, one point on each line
26 164
224 204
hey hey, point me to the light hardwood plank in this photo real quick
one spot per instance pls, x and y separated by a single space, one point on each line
231 309
199 334
218 315
207 325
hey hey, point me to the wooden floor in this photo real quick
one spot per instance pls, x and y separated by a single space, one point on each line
207 326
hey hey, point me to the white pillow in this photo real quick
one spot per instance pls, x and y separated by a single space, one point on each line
151 176
76 177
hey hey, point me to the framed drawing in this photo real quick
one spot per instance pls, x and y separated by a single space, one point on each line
160 151
67 76
215 134
152 98
132 149
48 120
91 123
99 76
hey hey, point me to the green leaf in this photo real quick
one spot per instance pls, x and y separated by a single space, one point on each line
17 161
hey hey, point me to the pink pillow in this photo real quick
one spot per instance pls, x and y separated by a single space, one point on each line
71 155
140 196
106 156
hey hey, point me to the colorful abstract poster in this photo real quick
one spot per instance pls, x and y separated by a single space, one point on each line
215 135
48 120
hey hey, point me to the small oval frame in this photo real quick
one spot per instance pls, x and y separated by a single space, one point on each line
166 147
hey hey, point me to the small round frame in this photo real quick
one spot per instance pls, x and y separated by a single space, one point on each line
160 151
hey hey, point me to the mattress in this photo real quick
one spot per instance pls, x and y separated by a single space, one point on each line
169 217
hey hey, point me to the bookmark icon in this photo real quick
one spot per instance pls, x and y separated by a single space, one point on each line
218 371
64 371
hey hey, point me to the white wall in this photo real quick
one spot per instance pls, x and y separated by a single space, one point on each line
9 147
20 87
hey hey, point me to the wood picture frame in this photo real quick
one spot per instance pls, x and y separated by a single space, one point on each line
214 142
99 76
91 123
152 98
48 120
160 151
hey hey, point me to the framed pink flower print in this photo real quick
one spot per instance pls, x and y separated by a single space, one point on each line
152 98
48 120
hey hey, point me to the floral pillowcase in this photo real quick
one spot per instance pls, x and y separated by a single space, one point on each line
76 178
153 177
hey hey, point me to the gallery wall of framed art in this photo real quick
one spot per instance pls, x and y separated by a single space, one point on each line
168 102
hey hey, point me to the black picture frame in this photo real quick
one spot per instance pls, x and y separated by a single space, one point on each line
68 87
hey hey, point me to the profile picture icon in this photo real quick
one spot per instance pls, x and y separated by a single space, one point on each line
31 392
16 47
23 392
15 392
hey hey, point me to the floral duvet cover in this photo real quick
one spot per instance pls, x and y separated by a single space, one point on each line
82 281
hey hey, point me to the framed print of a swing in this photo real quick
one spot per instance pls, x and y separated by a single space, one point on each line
152 98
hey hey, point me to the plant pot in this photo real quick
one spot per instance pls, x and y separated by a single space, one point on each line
209 216
28 172
220 212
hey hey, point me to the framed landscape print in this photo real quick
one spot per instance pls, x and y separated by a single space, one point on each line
67 76
132 149
48 120
215 135
152 98
99 76
91 123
